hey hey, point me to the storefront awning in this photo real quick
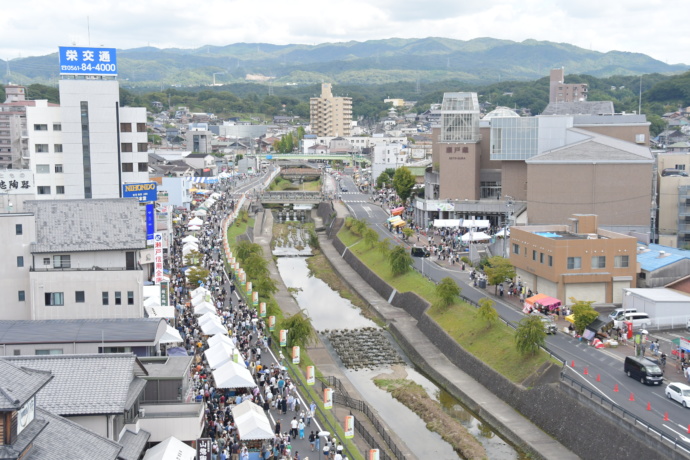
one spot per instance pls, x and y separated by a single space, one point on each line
446 223
471 223
397 211
392 220
399 223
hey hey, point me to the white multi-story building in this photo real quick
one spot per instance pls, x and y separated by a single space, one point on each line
89 146
392 155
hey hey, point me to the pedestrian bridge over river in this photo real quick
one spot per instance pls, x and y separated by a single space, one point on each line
291 197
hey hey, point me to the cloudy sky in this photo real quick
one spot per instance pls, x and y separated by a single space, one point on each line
38 27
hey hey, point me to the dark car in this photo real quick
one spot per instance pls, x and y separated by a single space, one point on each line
419 252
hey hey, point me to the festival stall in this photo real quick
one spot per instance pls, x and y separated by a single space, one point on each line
475 236
540 302
450 223
169 449
219 354
232 375
397 211
253 427
473 223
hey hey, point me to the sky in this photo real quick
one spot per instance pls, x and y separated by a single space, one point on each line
38 27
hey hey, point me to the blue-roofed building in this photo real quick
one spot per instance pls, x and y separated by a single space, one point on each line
661 265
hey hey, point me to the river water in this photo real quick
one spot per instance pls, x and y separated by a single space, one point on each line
328 310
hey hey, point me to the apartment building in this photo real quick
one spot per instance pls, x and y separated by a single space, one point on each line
561 92
673 199
330 115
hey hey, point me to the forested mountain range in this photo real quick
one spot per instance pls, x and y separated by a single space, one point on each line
477 61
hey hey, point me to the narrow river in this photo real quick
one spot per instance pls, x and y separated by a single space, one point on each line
328 311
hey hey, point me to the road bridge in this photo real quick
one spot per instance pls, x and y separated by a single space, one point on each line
291 197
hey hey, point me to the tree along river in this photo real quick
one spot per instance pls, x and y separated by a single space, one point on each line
329 311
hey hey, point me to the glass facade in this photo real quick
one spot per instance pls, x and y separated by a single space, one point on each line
460 117
514 138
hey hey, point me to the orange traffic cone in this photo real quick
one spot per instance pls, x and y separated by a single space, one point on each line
615 388
632 397
586 371
688 428
572 363
665 416
598 378
649 406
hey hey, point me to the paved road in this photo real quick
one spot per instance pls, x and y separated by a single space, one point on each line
606 364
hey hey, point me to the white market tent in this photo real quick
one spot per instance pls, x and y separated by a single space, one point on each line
208 317
200 212
189 249
213 328
471 223
215 195
216 339
195 221
219 354
156 311
475 236
200 290
251 422
171 448
204 308
202 299
194 228
171 335
503 232
190 239
232 375
447 223
152 301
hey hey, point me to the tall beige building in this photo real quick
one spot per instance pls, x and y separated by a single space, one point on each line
330 116
561 92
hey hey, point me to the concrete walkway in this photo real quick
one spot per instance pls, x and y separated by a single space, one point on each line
492 407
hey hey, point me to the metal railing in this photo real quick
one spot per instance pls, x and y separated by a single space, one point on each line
340 396
626 415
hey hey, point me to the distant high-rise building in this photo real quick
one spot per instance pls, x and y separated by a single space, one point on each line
330 116
560 92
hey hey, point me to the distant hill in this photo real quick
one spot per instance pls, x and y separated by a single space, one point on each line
481 60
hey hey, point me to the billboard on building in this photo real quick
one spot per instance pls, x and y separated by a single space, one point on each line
143 191
16 181
87 61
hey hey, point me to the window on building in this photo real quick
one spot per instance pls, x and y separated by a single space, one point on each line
550 261
125 127
42 148
18 229
20 261
57 148
50 351
59 189
465 150
142 147
126 147
58 168
104 295
54 298
130 297
143 167
680 167
62 261
42 169
598 261
621 262
534 254
541 257
574 263
516 249
41 127
127 167
118 298
21 296
141 127
79 296
46 261
43 190
57 127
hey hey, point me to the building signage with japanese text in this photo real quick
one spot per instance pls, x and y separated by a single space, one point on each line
16 181
145 191
157 258
87 61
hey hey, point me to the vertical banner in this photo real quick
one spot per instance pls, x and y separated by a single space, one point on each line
349 426
249 288
271 323
157 258
311 377
262 309
373 454
327 398
255 298
165 285
150 221
295 355
283 337
243 277
203 449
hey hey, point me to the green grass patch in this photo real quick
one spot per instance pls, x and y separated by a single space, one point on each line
236 230
494 346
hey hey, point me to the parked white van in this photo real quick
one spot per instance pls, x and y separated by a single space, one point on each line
638 319
618 313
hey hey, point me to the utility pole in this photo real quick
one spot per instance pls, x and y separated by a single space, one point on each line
506 222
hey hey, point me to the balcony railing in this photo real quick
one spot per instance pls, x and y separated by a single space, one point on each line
83 269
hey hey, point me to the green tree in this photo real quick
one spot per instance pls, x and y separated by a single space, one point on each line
370 237
383 180
256 267
195 275
193 258
245 248
407 233
498 270
300 331
447 292
403 181
265 287
400 261
383 246
530 335
487 312
359 227
584 314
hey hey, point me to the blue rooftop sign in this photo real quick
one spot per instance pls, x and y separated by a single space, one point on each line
87 61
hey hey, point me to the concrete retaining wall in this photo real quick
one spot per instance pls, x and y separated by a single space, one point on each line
580 429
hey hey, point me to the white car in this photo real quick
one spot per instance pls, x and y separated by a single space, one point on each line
679 392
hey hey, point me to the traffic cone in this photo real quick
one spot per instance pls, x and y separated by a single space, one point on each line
572 363
665 416
632 397
598 378
586 372
689 429
615 388
649 406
